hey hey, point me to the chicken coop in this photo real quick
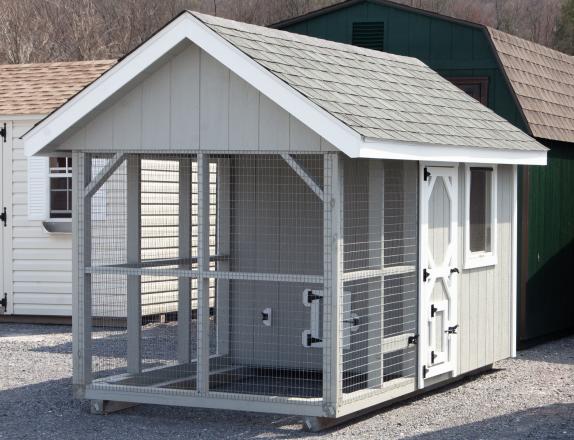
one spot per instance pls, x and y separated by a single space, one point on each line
314 266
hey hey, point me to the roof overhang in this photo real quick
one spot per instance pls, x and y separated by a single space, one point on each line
42 138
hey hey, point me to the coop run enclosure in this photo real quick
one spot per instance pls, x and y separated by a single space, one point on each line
288 280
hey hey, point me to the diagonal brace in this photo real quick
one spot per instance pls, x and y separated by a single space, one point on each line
303 174
97 182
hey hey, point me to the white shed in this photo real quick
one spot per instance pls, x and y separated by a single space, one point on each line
344 224
35 238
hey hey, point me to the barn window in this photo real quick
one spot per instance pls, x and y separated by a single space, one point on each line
370 35
480 233
476 87
60 187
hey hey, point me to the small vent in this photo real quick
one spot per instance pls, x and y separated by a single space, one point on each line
370 35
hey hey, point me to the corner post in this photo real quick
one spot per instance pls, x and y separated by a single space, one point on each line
81 281
133 246
332 284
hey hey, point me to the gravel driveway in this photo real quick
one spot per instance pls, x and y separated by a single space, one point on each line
528 397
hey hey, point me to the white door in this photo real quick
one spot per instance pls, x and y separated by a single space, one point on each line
6 306
438 265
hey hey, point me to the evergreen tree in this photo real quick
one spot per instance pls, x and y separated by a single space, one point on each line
564 37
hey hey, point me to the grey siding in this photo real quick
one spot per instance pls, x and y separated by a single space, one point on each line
191 101
485 294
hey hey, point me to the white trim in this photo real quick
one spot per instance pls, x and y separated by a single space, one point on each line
21 117
377 149
514 271
347 140
480 259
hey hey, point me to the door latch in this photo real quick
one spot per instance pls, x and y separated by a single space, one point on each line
4 217
452 330
426 275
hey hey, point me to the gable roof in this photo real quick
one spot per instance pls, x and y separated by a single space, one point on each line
539 77
543 81
37 89
366 103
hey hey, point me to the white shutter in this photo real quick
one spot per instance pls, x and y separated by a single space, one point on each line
38 188
99 198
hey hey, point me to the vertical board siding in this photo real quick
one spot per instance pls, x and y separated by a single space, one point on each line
41 279
191 101
485 293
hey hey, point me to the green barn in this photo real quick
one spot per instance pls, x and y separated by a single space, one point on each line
527 84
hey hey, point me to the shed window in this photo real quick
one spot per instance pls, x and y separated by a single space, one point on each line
480 216
60 187
369 34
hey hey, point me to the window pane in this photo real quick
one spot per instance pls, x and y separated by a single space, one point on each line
480 210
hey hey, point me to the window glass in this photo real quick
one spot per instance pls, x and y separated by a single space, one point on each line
480 210
60 187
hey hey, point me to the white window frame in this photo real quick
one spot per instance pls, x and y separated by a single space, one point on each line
66 173
480 259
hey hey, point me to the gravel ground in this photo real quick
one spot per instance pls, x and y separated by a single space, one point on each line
528 397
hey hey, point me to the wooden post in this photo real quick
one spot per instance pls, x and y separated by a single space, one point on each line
184 284
376 288
133 246
332 284
203 280
223 249
81 281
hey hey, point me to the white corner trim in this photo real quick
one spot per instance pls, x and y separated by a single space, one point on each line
377 149
189 27
473 260
514 271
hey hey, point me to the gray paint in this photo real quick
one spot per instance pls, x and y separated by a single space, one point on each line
188 100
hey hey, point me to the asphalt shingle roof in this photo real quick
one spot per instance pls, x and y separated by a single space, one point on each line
379 95
37 89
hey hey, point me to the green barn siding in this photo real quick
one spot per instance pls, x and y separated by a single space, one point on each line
549 300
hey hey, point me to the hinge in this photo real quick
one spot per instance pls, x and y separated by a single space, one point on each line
4 132
4 302
426 174
4 216
311 340
433 310
426 275
413 340
433 356
425 371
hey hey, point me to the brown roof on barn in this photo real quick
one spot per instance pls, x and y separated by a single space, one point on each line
543 81
30 89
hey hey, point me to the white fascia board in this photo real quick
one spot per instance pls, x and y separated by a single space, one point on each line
189 27
21 117
377 149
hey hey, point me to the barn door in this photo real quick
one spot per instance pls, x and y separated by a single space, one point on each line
438 302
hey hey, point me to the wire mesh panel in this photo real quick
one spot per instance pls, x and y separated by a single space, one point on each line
379 279
269 249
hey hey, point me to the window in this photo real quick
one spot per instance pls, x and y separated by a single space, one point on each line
60 176
480 221
476 87
369 34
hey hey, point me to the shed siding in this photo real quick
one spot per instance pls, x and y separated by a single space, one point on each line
42 262
192 101
485 294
